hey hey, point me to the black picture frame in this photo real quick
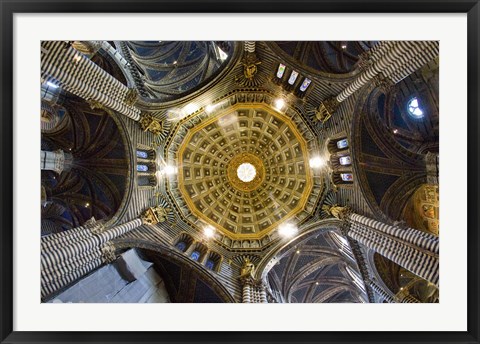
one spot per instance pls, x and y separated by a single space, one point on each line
10 7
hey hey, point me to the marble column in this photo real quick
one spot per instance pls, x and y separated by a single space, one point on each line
414 250
70 255
385 64
73 71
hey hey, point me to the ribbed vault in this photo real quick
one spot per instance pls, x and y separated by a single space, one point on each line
315 270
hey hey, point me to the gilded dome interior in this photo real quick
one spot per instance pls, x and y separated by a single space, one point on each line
269 141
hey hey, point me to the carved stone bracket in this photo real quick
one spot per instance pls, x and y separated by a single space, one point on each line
97 105
382 82
131 97
108 252
94 226
364 60
87 47
326 109
148 122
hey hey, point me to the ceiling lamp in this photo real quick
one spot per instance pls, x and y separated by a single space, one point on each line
279 104
208 231
190 108
209 108
287 230
316 162
169 170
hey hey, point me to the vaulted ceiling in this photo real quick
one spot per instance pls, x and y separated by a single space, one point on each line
214 122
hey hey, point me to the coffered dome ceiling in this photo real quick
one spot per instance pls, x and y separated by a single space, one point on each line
243 169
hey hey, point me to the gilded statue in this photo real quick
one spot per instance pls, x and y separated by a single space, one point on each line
248 269
250 66
250 70
161 213
322 115
154 215
148 122
335 210
326 109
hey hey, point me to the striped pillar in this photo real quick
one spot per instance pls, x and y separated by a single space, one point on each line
64 66
414 250
253 293
395 61
263 295
246 298
425 52
249 46
67 256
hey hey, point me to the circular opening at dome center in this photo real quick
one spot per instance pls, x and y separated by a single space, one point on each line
246 172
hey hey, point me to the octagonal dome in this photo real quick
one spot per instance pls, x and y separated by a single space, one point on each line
243 169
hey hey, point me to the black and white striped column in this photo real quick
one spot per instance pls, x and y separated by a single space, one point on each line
394 60
253 293
74 72
249 46
67 256
414 250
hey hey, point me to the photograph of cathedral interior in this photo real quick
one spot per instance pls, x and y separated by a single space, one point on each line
239 171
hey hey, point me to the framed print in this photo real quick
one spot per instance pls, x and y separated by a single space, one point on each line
257 172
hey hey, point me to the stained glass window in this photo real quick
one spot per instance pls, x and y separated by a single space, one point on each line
342 144
142 168
346 177
293 77
305 84
143 181
345 160
195 255
142 154
414 108
280 71
181 245
210 264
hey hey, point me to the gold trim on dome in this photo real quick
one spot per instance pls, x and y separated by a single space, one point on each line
191 133
233 176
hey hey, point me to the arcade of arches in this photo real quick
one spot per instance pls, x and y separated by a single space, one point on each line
240 171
